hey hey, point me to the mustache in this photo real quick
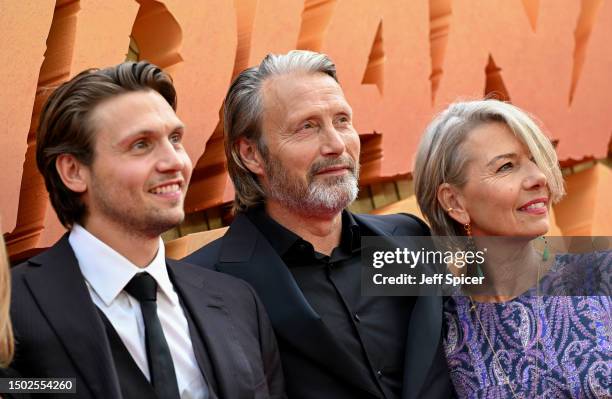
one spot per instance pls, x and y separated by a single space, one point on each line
342 161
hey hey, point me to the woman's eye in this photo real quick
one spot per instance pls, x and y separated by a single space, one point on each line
505 167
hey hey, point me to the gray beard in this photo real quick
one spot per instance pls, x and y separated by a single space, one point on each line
321 196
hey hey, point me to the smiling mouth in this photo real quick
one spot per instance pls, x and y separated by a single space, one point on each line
167 189
334 170
536 207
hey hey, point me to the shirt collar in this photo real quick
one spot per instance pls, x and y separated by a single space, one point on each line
283 240
107 272
280 237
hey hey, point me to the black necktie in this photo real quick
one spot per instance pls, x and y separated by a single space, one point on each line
163 378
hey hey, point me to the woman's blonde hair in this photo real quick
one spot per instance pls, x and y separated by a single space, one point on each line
441 157
7 345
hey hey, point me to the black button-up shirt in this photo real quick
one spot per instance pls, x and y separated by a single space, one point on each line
372 330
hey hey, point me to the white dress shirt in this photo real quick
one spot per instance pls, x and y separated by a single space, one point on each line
106 273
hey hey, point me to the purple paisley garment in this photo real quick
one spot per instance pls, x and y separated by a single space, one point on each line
547 346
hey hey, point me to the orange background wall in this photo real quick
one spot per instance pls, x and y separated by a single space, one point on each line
399 62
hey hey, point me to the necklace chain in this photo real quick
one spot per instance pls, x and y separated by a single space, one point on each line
495 357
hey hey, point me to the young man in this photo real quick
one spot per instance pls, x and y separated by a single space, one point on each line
293 156
103 305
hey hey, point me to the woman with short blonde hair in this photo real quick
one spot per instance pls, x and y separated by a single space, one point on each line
442 156
486 172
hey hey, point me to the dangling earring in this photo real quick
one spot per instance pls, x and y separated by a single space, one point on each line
545 252
471 246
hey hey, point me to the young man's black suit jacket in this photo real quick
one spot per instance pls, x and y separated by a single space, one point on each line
59 332
313 364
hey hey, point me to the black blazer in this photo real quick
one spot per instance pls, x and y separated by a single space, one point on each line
314 365
59 332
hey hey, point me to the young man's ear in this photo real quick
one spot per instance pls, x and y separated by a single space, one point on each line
73 173
453 203
250 156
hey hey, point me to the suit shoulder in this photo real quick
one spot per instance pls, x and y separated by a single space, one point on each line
58 252
399 223
22 269
206 256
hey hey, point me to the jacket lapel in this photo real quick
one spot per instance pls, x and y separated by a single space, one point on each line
423 340
59 289
377 226
205 304
425 321
246 254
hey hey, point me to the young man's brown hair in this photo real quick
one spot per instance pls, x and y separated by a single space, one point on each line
66 127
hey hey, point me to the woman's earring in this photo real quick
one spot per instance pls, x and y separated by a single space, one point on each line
546 251
471 246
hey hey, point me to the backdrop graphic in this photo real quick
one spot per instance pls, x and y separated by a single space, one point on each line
398 61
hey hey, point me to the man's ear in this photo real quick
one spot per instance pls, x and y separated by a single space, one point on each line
250 156
453 203
73 173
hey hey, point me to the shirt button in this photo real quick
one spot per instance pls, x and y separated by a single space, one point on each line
379 373
357 318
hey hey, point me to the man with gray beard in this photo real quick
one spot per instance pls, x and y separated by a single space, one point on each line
293 156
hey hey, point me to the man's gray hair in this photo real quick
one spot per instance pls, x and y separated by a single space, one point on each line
243 112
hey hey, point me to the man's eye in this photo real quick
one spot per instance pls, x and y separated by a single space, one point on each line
306 126
176 138
505 167
140 145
